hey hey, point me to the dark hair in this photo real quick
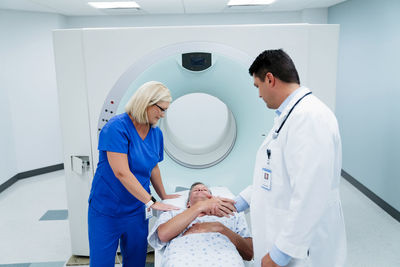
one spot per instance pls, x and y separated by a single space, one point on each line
193 185
276 62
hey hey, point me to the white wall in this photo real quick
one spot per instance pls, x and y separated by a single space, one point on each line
368 92
8 161
28 81
8 166
30 135
316 15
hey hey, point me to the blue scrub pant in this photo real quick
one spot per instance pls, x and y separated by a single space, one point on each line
105 232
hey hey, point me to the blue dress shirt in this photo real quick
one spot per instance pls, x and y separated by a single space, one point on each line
241 204
286 102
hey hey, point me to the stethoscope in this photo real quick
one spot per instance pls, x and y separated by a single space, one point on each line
276 133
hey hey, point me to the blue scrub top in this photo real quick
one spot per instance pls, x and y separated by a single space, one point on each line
108 195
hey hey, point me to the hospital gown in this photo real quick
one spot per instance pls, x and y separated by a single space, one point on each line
200 249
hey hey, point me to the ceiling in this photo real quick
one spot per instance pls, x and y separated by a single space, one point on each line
157 7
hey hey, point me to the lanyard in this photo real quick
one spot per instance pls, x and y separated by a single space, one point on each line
276 133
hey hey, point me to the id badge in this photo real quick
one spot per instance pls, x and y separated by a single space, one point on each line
267 175
148 213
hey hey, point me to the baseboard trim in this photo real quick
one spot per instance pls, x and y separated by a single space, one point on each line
8 183
27 174
53 168
372 196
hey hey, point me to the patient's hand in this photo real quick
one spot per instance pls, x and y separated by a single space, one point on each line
205 227
218 206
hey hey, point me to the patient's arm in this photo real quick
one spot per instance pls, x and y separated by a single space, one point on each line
243 245
177 224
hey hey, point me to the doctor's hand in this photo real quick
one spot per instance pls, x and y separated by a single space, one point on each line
268 262
163 206
226 207
171 196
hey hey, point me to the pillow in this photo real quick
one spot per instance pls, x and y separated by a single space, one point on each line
180 202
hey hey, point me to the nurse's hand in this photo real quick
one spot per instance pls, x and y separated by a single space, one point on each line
163 206
268 262
171 196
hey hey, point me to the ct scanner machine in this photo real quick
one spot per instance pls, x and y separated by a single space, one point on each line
216 122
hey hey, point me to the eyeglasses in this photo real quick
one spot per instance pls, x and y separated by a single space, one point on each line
162 109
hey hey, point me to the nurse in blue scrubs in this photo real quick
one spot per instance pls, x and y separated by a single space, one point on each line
130 147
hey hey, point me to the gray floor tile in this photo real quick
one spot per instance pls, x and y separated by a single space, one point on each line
54 215
48 264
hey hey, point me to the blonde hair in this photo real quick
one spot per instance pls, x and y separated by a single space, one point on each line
147 95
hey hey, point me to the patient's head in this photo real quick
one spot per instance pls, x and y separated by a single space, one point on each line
198 191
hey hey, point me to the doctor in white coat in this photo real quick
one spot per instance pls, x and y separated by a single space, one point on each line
294 200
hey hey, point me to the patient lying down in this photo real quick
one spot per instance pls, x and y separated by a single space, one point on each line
191 237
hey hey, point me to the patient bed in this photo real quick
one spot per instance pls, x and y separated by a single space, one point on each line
181 203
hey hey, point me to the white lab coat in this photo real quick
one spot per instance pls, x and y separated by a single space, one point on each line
301 214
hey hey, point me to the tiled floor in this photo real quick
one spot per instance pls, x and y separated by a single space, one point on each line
373 236
34 230
24 238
